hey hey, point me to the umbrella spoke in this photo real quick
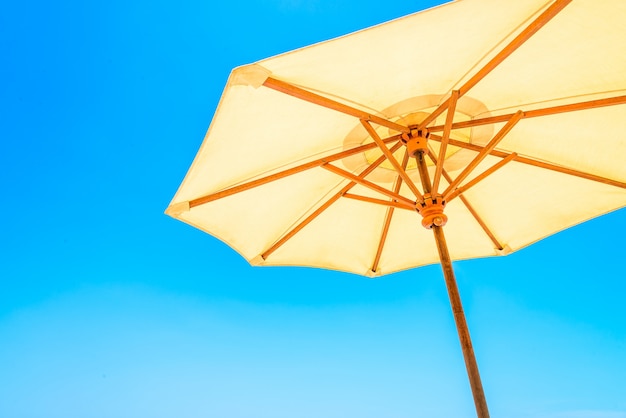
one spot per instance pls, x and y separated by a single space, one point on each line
317 99
470 208
485 151
430 118
389 215
519 40
285 173
401 170
368 184
390 203
444 141
325 206
482 223
590 104
301 225
479 178
537 163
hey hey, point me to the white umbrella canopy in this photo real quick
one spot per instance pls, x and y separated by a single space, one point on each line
410 66
503 121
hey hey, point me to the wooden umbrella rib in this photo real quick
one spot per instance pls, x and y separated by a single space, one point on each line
482 223
383 239
485 151
444 141
430 118
286 173
590 104
390 203
317 99
569 171
537 163
401 171
479 178
367 184
470 208
300 226
389 216
325 206
518 41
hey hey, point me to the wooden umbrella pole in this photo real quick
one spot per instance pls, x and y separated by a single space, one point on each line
461 324
455 301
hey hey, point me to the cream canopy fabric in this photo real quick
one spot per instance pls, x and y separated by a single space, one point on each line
554 168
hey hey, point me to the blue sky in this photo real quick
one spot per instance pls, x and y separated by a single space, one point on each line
109 308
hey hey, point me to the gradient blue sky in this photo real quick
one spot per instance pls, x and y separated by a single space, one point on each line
109 308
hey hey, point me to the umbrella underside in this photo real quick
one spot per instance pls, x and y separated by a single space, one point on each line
505 131
330 189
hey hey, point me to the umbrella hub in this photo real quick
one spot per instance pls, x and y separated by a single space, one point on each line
416 141
431 210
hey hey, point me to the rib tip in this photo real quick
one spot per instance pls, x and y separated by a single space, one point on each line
506 250
372 274
177 208
253 75
257 261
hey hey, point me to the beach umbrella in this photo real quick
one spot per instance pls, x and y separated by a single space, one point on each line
499 123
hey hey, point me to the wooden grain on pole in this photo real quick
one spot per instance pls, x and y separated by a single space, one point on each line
455 301
471 365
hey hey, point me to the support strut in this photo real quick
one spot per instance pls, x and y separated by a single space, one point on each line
455 299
